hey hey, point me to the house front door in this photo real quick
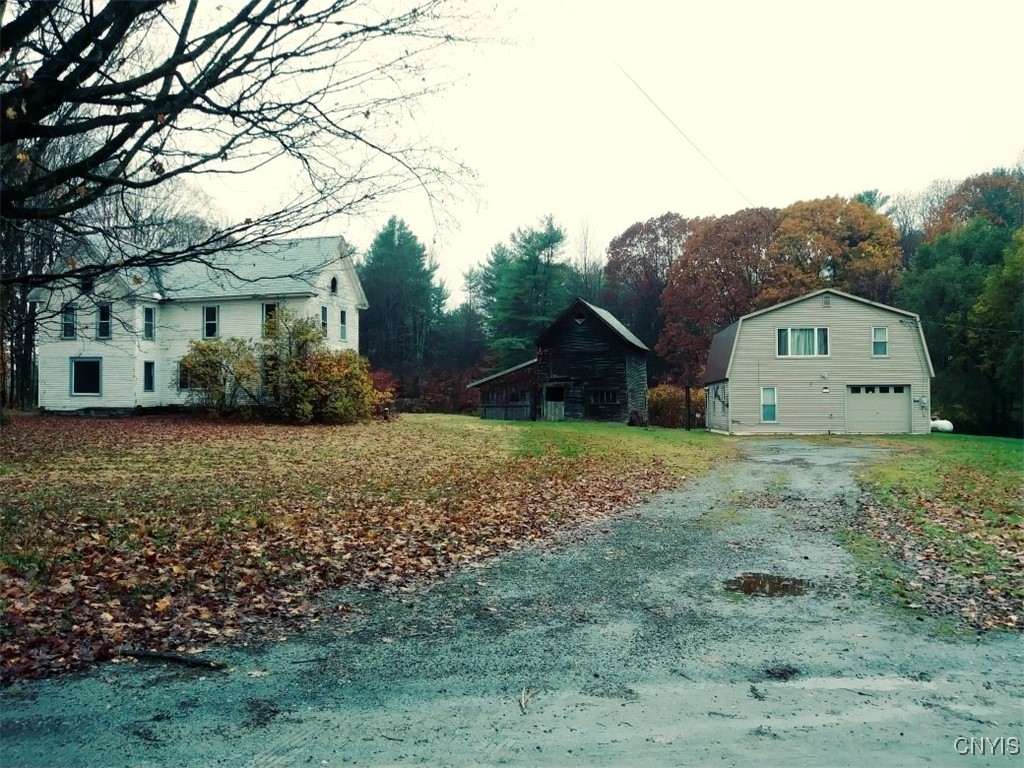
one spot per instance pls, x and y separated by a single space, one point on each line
554 403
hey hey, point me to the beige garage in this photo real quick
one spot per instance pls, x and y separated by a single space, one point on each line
878 408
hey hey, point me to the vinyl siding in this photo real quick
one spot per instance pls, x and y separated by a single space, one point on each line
803 406
717 408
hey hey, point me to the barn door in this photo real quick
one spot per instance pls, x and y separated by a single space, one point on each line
554 403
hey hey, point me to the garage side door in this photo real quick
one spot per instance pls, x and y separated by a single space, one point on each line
878 409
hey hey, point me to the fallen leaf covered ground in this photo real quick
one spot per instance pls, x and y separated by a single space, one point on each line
174 534
950 510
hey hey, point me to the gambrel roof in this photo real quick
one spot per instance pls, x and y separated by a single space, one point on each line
724 342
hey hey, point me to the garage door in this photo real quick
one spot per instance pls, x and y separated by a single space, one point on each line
875 409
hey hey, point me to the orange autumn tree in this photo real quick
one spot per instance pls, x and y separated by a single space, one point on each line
719 277
835 243
732 265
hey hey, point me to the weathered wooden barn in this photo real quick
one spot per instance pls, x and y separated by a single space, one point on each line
589 366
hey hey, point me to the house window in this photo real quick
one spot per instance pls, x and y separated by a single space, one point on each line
183 378
769 406
211 321
149 323
148 376
86 376
826 300
323 321
880 341
268 314
103 321
343 332
802 342
67 322
334 285
604 396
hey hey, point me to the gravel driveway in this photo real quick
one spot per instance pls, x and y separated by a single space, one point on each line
619 645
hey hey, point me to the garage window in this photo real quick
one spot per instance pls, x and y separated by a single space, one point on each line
769 406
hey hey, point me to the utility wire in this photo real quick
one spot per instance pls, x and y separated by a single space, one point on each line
970 327
671 122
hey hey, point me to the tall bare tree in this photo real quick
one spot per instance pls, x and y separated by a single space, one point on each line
150 90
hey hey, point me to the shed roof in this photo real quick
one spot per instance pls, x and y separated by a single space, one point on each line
499 374
606 317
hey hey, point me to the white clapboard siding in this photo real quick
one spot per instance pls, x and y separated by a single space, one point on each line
179 321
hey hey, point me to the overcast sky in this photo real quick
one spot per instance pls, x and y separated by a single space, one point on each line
764 102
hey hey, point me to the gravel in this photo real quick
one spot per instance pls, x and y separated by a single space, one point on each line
617 644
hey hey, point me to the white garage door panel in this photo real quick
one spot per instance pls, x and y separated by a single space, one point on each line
875 409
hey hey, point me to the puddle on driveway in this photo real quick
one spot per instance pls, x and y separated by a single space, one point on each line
767 585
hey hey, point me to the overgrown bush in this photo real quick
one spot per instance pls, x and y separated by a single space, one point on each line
222 374
289 376
384 385
337 386
666 406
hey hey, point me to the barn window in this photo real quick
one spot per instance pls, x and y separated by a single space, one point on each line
802 342
604 396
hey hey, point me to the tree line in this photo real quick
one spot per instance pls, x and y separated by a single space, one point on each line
953 254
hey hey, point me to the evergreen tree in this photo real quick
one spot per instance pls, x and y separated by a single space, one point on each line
406 302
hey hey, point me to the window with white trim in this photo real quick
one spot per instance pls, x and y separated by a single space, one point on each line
769 405
67 321
343 332
183 377
880 341
211 322
269 310
86 376
801 342
323 321
148 376
103 321
149 323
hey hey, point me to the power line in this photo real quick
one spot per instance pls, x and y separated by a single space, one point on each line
671 122
970 327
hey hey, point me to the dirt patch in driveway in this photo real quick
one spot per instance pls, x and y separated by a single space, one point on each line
619 644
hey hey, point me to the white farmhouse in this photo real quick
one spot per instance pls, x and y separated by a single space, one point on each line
116 343
826 363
